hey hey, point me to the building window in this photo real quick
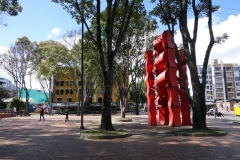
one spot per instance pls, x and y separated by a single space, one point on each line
228 69
79 83
229 84
67 83
67 91
79 91
71 91
220 95
237 83
57 92
61 91
207 87
218 74
100 91
209 71
218 84
236 68
219 90
218 69
69 99
100 100
59 100
219 79
71 83
230 90
237 78
57 83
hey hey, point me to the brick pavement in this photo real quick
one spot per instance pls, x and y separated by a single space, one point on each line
28 138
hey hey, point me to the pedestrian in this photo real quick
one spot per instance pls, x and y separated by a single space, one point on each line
66 112
42 114
215 111
14 111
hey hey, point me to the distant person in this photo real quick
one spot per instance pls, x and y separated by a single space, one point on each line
14 111
42 114
215 111
66 119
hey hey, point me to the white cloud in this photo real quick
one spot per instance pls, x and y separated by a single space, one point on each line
229 51
3 49
55 31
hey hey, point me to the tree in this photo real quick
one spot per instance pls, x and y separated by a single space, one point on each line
10 7
17 63
131 51
138 92
173 12
47 59
87 9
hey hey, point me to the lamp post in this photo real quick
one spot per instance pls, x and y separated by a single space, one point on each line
82 108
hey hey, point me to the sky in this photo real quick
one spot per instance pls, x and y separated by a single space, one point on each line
42 20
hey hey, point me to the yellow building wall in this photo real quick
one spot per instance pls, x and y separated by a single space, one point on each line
64 96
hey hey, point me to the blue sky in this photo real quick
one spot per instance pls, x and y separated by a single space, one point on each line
41 20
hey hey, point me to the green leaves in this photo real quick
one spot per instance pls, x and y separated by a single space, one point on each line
12 7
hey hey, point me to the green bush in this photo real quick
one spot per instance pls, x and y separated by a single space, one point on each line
19 104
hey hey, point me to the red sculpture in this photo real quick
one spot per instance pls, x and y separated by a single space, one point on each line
167 87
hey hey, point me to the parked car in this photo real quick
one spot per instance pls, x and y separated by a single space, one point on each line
95 108
60 112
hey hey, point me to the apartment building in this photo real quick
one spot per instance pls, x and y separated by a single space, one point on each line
223 80
209 85
237 80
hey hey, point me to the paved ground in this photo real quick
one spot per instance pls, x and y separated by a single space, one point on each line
28 138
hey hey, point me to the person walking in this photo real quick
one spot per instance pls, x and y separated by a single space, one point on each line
14 111
66 112
215 111
42 114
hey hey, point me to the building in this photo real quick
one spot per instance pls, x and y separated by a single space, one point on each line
222 83
224 80
6 83
65 93
226 83
237 80
209 85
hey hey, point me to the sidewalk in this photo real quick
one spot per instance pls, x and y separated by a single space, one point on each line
28 138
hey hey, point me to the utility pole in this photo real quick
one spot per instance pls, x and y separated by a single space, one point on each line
82 108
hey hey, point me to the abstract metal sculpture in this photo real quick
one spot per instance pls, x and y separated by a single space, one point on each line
162 80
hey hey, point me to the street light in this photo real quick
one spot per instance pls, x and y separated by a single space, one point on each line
82 108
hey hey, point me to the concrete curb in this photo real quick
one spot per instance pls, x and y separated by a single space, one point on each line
104 135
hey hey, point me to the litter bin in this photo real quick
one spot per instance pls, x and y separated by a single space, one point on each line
237 109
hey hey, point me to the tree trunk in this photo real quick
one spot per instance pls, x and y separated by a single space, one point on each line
78 107
137 105
198 116
106 120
